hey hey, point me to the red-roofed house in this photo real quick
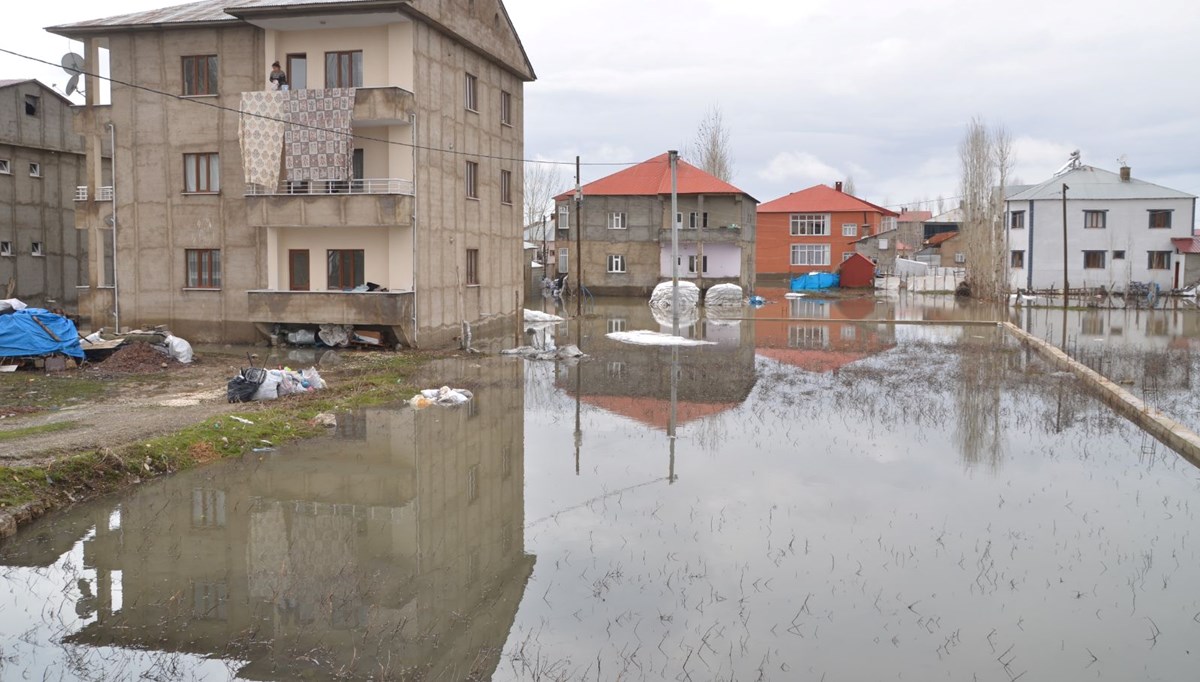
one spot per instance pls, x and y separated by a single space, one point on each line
1188 249
626 236
814 230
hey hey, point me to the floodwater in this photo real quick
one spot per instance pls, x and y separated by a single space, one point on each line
843 499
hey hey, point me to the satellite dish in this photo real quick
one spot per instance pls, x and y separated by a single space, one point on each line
72 85
73 64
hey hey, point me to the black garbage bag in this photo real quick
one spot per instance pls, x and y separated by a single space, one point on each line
241 388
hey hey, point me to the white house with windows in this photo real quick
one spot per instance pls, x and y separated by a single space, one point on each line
1119 230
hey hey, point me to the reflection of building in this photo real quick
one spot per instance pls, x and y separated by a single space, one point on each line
635 381
822 335
394 549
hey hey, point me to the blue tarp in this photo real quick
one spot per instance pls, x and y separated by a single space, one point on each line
22 336
816 280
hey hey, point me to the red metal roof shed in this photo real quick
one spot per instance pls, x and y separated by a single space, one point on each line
857 272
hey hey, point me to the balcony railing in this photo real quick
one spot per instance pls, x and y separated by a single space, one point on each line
334 187
105 193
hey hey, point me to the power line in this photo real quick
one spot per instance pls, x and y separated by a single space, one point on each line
220 107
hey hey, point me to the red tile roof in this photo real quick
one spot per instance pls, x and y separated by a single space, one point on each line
937 239
821 199
914 216
1187 244
655 412
653 178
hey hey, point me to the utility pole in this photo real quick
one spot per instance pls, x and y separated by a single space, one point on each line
1066 284
673 158
578 242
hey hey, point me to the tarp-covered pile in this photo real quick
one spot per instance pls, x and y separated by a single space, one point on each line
34 332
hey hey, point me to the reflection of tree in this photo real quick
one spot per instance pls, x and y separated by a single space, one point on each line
981 371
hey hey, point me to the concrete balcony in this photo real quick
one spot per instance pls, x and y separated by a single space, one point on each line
383 202
383 106
689 235
373 308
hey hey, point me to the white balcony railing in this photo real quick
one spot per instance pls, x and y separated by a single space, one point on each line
104 193
334 187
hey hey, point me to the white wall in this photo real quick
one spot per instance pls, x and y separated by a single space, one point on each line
724 260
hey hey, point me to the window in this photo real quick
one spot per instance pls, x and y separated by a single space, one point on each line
208 508
616 262
472 180
472 267
849 229
200 75
201 173
203 268
810 224
885 224
616 369
564 217
344 69
32 103
471 93
6 249
1017 259
5 169
616 324
617 220
810 254
1160 220
692 264
298 270
1095 220
505 108
846 255
506 187
35 170
807 307
808 336
1016 221
563 254
693 220
1093 260
1159 260
1118 255
960 258
297 71
343 269
35 249
883 243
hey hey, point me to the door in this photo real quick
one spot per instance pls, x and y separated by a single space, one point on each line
297 71
298 270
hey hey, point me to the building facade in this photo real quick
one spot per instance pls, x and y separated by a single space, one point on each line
814 230
398 211
1118 229
42 258
626 236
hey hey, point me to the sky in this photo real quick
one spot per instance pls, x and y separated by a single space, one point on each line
815 91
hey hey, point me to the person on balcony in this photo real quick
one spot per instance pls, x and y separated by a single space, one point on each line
278 78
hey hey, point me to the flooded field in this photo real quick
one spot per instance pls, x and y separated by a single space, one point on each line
814 495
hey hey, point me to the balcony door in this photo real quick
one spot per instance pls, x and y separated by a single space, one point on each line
344 69
298 270
297 71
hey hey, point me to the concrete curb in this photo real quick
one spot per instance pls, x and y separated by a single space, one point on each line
1169 432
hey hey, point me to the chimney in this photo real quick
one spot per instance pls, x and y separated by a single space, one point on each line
1124 173
838 185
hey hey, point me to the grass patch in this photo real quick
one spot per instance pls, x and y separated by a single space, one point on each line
14 434
366 380
44 392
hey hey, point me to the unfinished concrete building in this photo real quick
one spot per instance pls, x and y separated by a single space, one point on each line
42 258
382 190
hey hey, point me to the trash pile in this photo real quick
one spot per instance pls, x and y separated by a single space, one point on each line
99 349
444 396
568 352
258 383
332 335
37 335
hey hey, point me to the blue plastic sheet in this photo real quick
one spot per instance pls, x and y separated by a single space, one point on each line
22 336
816 280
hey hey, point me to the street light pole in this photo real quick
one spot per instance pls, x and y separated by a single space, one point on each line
673 158
1066 284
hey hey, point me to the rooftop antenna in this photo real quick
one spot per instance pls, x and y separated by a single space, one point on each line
73 64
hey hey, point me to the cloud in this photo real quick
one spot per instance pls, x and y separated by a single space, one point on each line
799 168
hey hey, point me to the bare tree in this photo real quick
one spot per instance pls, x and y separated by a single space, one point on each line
710 149
986 158
542 182
848 185
941 205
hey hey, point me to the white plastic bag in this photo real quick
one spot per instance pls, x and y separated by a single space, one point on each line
179 349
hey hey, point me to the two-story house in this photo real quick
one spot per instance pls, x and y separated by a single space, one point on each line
814 230
626 236
381 190
42 256
1119 230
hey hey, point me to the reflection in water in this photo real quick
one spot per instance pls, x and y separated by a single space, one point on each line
394 549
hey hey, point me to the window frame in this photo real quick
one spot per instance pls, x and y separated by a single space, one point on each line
506 187
809 224
204 70
1091 218
1118 254
6 248
355 258
691 265
5 167
292 270
33 105
564 217
506 108
212 161
35 169
204 272
617 264
846 255
1016 220
472 269
618 220
37 249
849 230
355 73
471 92
808 248
564 259
1153 212
1163 256
472 180
1091 257
1016 259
